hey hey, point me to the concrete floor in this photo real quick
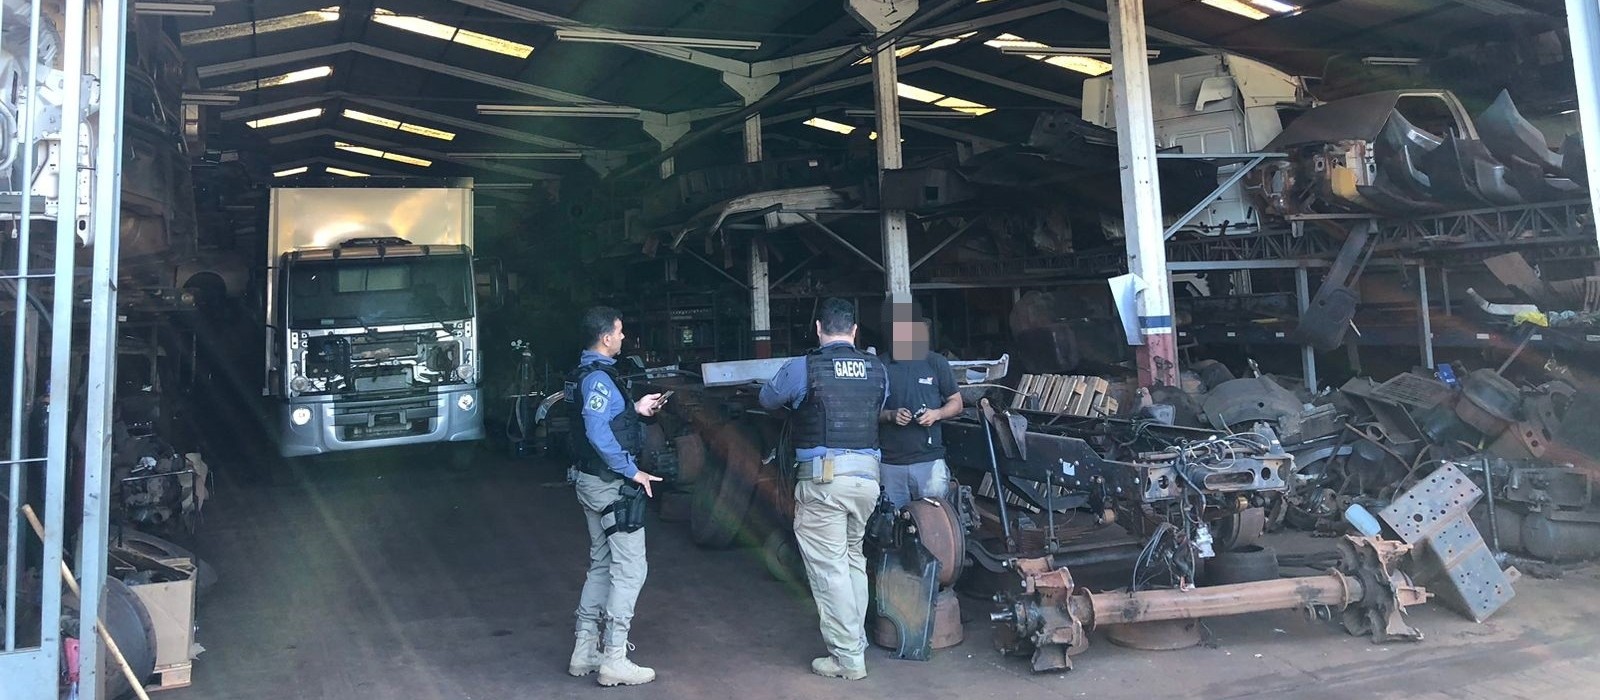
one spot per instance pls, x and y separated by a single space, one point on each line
395 581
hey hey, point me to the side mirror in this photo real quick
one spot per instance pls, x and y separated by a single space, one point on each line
490 282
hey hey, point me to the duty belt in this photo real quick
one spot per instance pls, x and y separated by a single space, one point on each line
823 470
603 472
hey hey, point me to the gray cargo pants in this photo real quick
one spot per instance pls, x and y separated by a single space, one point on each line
830 520
617 565
904 483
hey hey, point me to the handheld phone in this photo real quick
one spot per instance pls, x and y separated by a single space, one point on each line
664 397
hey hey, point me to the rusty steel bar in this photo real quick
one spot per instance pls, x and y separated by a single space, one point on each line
1332 590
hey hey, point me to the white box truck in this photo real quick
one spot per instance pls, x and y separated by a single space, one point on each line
371 316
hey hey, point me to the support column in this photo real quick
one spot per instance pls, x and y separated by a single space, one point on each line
882 16
105 200
1308 354
750 90
1583 28
1425 318
1141 192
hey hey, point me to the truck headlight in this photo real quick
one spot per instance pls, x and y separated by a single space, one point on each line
464 372
300 416
465 402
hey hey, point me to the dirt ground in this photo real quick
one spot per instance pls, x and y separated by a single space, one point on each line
390 579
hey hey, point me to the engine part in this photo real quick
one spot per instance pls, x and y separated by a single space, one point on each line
1561 536
1323 324
1245 401
1433 516
1489 402
1242 565
1050 616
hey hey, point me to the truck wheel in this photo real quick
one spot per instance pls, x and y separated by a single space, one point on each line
782 557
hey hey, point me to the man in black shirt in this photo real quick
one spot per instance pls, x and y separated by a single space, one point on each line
922 392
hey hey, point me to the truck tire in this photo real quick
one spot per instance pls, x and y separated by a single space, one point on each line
205 575
710 526
782 558
1243 565
129 625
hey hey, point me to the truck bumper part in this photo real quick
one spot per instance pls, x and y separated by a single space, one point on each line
340 425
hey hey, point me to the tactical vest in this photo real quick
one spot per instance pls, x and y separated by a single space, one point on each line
626 426
844 392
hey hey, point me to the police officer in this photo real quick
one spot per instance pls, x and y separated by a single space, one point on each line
922 393
606 460
836 393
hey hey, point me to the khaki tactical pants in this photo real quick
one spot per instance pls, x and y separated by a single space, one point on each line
830 521
617 565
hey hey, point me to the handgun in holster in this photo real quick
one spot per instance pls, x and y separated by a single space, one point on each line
628 510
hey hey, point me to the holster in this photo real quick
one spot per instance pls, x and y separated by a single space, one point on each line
627 511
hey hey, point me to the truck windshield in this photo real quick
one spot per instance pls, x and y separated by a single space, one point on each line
330 293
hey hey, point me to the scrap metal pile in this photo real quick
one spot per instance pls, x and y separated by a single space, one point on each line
1178 491
1363 154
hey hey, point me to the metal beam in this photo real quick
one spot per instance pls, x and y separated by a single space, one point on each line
414 151
507 84
1011 85
946 242
881 16
1220 190
841 241
947 132
1168 37
699 58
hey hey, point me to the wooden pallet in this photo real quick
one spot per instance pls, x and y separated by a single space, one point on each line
172 677
1072 395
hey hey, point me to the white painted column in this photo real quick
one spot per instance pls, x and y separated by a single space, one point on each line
881 16
1141 191
1583 28
750 90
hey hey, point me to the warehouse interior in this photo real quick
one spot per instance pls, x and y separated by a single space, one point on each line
1274 322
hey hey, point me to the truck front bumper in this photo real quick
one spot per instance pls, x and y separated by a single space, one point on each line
313 427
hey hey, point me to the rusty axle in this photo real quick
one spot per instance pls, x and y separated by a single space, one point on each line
1331 590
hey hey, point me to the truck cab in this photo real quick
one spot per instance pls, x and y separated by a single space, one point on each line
373 331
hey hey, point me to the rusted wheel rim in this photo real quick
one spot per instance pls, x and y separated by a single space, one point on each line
940 531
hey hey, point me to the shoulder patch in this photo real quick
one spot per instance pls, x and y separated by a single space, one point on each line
598 400
602 388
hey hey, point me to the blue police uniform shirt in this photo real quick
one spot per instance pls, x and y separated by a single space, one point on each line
602 401
788 388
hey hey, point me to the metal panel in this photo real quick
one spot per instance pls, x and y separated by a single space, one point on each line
317 217
1435 514
85 199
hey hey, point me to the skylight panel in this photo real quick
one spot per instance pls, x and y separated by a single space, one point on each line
399 125
912 92
292 171
265 122
1254 9
829 125
298 76
446 32
262 26
386 155
347 173
1082 64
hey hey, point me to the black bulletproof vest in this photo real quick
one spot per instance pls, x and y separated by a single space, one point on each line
626 425
844 392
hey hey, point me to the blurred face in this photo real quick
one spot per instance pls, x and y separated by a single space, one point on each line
611 342
909 336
